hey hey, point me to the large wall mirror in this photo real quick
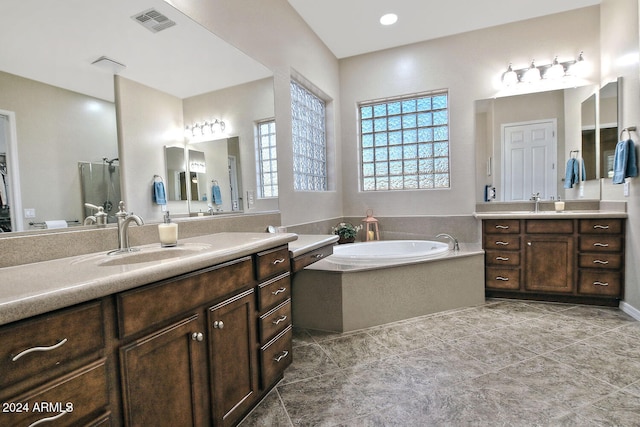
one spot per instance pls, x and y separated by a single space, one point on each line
559 125
58 124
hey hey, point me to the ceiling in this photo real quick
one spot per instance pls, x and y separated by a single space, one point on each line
55 42
351 27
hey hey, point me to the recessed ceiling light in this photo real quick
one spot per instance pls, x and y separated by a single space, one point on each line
389 19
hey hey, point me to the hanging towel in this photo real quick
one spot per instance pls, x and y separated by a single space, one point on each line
572 174
625 163
216 195
159 195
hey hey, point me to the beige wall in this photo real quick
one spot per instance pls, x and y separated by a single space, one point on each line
56 128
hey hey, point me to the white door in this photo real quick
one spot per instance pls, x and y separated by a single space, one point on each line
529 158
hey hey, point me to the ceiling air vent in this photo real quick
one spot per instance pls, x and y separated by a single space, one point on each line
153 20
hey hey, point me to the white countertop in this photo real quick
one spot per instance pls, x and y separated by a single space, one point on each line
309 242
32 289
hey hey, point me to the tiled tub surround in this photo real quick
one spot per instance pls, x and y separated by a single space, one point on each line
501 363
333 297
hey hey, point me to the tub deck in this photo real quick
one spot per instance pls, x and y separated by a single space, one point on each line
340 298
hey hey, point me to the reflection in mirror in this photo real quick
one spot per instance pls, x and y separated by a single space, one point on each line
608 128
496 117
176 184
589 149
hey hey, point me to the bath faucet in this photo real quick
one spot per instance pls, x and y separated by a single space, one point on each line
536 198
99 218
124 219
456 245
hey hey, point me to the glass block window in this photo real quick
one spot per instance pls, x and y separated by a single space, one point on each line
309 140
405 143
267 159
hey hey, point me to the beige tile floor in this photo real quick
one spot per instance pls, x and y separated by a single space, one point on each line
505 363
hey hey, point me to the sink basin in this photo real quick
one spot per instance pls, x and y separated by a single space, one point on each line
145 254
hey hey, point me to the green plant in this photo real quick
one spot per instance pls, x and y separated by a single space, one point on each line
346 230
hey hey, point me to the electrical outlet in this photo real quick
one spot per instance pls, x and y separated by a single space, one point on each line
625 188
251 198
29 213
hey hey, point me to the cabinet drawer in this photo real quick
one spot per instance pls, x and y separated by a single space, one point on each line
506 242
271 263
274 292
601 243
502 278
65 401
300 262
276 356
502 226
33 347
562 226
152 305
275 321
604 260
502 258
600 283
601 226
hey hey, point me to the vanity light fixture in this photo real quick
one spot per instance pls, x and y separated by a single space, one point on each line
555 71
205 129
388 19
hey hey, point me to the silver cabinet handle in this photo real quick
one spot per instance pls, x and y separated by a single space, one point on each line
197 336
601 227
317 256
502 258
601 245
34 349
601 283
599 261
502 227
278 261
502 243
282 319
504 279
48 419
282 356
218 324
279 291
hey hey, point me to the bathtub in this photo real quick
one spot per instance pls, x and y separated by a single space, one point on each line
387 252
372 283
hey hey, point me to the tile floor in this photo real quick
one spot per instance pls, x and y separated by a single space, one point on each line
505 363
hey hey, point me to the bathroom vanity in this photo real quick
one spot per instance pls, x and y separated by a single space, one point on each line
573 256
196 337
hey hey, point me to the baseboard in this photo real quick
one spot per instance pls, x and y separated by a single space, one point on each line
630 310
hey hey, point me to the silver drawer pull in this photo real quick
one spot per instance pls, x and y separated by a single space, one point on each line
504 279
502 227
282 319
601 245
282 356
317 256
502 258
601 227
197 336
34 349
601 283
278 261
502 243
599 261
218 324
279 291
48 419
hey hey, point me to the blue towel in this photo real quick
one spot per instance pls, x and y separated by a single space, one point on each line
216 196
572 174
159 195
625 163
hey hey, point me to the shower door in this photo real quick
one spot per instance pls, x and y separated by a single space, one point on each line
100 186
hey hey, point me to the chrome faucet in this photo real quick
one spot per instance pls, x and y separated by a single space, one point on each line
456 245
536 198
124 219
99 218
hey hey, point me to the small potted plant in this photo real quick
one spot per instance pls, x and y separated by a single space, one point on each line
346 231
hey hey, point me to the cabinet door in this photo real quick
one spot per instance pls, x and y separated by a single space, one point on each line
234 357
164 377
549 263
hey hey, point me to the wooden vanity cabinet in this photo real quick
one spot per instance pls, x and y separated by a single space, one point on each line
53 369
578 260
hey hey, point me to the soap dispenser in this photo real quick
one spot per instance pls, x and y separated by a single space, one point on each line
168 232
